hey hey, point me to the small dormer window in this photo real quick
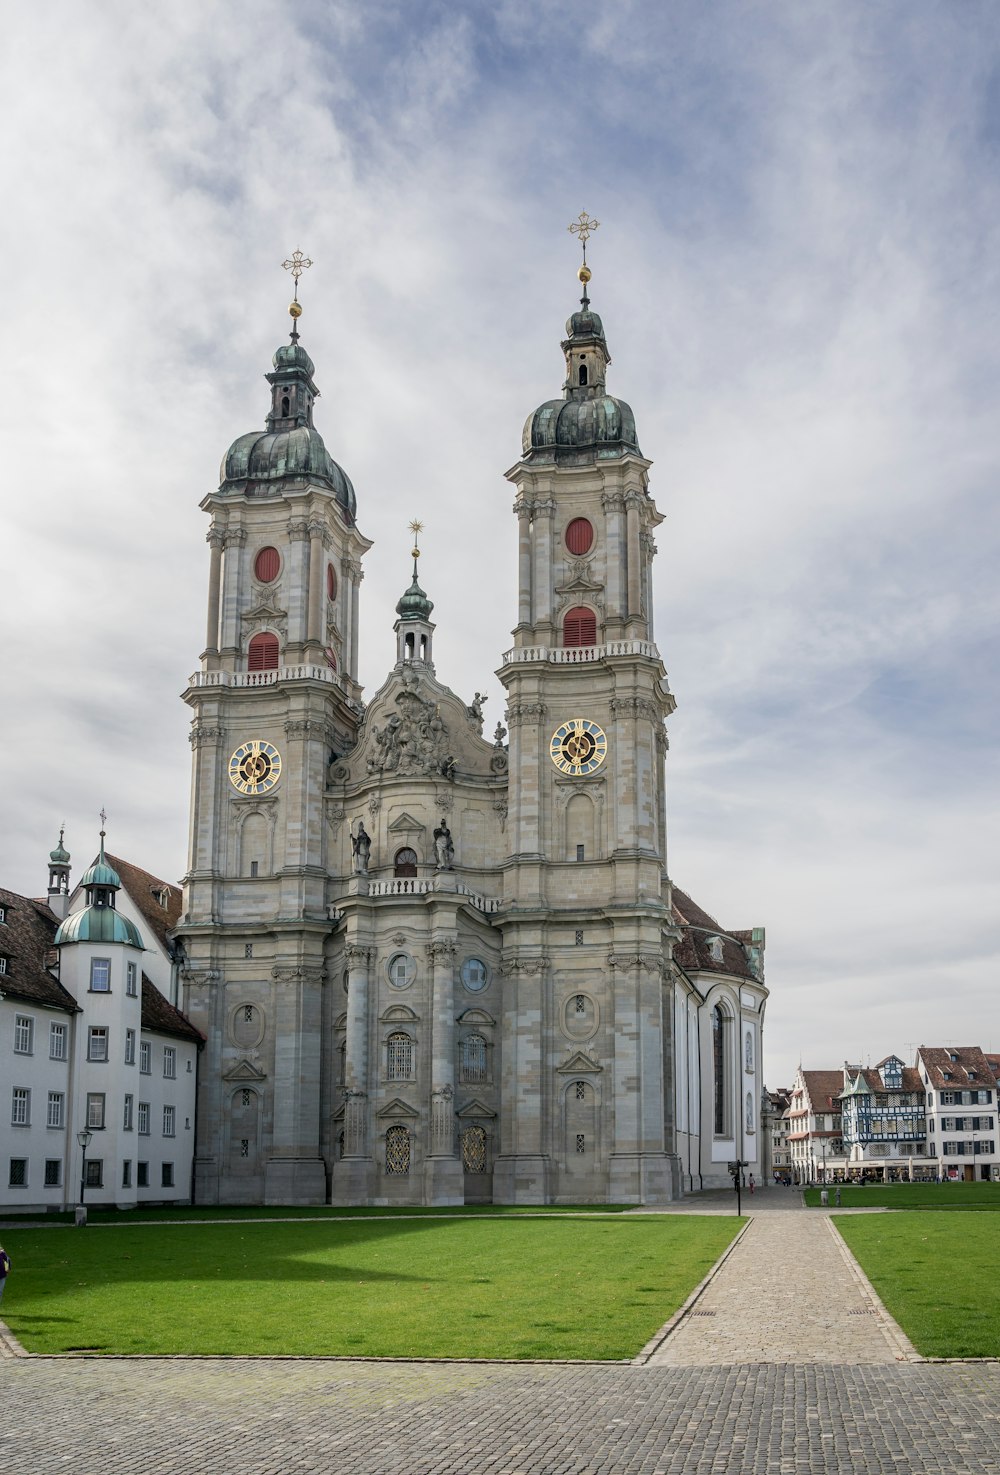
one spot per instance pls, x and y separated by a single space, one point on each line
3 914
715 949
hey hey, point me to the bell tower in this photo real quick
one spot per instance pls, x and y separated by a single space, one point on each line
275 701
587 934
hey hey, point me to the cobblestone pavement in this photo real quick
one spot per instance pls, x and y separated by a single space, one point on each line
788 1291
185 1417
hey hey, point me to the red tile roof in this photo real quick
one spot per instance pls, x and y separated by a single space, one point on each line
970 1067
159 1014
145 889
823 1087
692 948
25 941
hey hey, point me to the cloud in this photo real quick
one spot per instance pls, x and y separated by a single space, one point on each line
797 269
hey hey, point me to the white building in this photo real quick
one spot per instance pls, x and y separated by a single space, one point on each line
90 1041
961 1104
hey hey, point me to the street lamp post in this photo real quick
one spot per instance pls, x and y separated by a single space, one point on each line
83 1137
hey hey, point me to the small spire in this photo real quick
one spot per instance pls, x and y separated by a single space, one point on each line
296 264
583 228
416 528
104 821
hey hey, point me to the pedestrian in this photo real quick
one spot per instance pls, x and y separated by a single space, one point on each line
752 1183
836 1196
4 1269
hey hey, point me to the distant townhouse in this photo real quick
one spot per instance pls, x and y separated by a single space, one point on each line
884 1123
99 1063
776 1164
960 1083
815 1142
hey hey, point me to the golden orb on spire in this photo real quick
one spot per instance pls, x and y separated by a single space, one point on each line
295 309
584 274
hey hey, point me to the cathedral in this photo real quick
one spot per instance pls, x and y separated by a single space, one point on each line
434 965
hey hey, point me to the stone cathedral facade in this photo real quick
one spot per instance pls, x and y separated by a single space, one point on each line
434 966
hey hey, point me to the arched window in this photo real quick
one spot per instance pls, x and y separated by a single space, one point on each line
719 1069
474 1150
284 404
262 654
397 1150
473 1063
405 863
399 1057
583 373
580 627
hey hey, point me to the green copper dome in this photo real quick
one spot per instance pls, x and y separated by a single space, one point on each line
60 856
101 874
414 605
99 924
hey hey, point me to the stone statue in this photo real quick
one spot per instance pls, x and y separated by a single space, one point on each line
475 709
448 766
499 735
361 844
444 850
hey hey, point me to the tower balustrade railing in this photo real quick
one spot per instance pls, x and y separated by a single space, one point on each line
580 655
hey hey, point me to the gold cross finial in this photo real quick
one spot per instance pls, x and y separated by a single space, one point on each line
416 528
296 264
583 228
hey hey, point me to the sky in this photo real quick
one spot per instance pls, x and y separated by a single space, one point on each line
797 267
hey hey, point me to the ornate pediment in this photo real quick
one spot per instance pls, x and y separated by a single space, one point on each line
244 1073
397 1108
414 739
475 1108
398 1014
407 825
579 1064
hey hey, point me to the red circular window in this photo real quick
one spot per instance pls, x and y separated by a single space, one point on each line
331 582
579 536
267 565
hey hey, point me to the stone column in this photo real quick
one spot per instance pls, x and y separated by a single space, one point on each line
523 511
353 1175
203 1001
355 572
638 1171
614 517
234 540
443 1180
542 591
634 557
314 635
520 1174
296 592
214 538
294 1171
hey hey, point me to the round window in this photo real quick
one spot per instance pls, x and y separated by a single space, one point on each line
474 975
579 536
267 565
401 970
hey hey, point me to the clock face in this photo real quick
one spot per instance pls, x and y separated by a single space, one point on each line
578 747
255 767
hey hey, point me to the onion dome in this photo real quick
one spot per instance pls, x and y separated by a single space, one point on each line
289 448
414 604
99 920
587 424
60 856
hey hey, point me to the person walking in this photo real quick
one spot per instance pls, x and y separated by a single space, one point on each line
4 1269
752 1185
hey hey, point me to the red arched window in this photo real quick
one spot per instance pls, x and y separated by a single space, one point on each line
579 536
405 863
267 565
580 627
263 653
331 582
331 657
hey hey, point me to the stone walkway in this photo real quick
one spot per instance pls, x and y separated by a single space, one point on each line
788 1291
790 1381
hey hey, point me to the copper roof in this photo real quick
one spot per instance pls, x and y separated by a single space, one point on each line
159 1015
25 941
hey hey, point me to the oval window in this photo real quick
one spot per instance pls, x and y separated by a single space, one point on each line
475 975
267 565
331 582
579 536
401 970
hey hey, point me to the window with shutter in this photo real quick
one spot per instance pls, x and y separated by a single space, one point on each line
580 627
263 653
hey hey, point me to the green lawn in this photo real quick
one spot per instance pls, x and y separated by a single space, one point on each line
181 1213
936 1273
913 1196
471 1287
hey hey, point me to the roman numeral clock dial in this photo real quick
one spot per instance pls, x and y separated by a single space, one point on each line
578 747
255 767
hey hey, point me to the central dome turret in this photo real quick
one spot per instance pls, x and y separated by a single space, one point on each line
587 424
290 447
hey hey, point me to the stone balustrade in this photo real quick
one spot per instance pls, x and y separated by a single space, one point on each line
580 655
